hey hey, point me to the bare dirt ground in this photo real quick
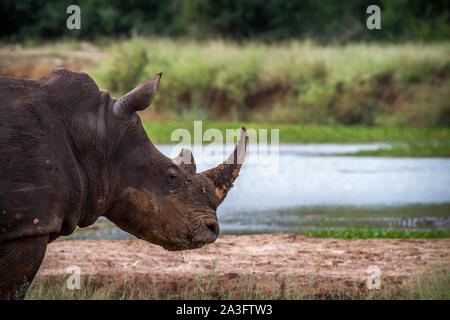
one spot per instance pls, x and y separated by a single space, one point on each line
38 62
271 259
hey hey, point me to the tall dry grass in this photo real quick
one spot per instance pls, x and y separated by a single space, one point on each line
425 285
295 82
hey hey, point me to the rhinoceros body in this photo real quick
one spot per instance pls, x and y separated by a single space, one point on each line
69 153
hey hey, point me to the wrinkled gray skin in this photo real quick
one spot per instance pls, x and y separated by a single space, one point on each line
70 153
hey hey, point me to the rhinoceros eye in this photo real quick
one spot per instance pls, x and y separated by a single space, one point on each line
172 178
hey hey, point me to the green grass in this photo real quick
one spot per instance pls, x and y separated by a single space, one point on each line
160 132
370 233
430 149
428 284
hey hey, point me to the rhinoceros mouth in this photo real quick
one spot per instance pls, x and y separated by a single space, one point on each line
207 233
187 245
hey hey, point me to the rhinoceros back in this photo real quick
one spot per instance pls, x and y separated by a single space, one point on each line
33 154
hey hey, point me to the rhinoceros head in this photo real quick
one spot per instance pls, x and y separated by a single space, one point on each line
162 200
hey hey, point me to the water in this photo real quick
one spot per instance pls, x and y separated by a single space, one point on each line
311 185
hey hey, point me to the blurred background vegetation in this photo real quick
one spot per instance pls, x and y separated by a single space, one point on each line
274 20
298 62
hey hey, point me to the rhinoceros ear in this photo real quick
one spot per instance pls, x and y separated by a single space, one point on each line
137 99
186 161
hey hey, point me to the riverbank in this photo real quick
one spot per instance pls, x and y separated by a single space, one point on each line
284 266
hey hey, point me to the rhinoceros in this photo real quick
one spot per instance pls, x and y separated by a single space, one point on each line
70 153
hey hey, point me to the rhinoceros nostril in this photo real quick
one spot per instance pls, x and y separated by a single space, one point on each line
213 227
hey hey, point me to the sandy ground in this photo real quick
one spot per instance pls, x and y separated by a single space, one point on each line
38 62
266 257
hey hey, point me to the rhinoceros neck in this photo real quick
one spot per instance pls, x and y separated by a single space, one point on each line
95 153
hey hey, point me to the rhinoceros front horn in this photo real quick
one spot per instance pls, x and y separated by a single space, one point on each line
224 175
137 99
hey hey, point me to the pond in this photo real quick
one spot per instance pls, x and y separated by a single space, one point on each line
311 185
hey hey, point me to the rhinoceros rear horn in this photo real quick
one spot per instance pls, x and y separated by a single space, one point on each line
186 161
137 99
224 175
